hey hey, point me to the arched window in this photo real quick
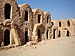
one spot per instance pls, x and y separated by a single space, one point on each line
39 18
26 16
59 24
7 11
68 23
47 18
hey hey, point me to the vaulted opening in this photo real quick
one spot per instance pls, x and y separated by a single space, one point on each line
47 18
59 34
68 23
39 35
39 18
26 36
59 24
52 23
54 33
68 33
26 16
47 34
7 11
6 37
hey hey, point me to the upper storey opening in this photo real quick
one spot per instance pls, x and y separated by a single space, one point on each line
7 11
26 16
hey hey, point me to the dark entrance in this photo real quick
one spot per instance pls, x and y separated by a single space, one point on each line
59 34
68 23
67 33
47 34
39 35
52 23
26 16
26 37
54 33
0 44
59 24
6 37
7 11
39 17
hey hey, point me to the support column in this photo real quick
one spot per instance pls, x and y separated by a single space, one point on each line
11 37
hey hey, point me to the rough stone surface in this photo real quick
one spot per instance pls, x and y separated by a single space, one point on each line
66 29
22 23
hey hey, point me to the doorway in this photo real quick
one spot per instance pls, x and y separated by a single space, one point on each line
39 18
6 37
54 33
26 37
39 35
59 34
67 33
47 34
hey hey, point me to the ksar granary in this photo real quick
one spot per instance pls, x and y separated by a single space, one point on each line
20 24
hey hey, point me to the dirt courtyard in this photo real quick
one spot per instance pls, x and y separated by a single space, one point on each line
54 47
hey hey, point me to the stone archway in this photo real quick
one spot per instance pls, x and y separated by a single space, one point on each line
38 32
6 37
55 32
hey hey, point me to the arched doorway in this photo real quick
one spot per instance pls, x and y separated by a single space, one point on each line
59 34
7 11
39 35
26 35
68 34
47 34
54 33
6 37
39 18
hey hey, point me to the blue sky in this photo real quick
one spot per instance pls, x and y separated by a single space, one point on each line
59 9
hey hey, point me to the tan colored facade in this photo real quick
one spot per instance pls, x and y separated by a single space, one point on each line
20 24
63 28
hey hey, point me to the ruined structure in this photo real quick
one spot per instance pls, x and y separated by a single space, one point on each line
63 28
20 24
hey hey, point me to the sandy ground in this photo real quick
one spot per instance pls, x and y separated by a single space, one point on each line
54 47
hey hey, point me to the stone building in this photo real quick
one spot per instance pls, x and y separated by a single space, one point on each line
20 24
63 28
